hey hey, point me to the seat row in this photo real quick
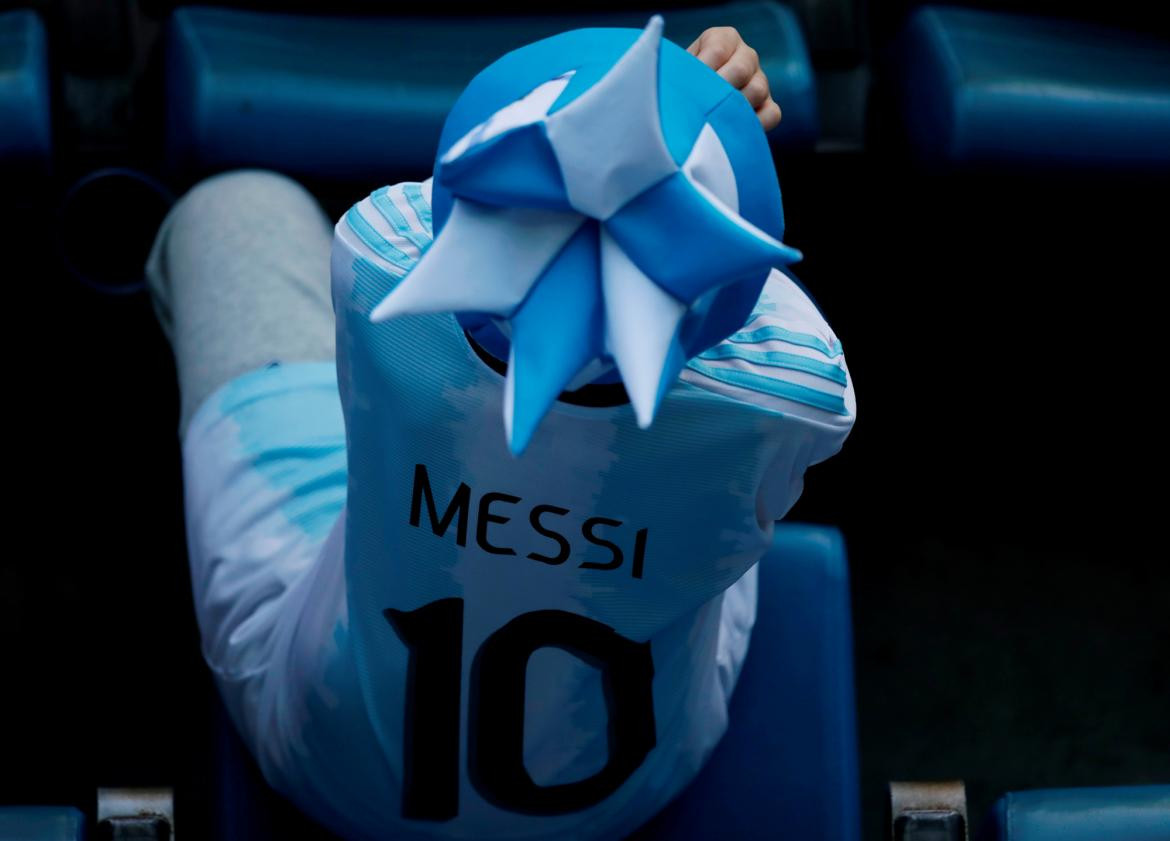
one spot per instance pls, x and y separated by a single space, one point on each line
348 97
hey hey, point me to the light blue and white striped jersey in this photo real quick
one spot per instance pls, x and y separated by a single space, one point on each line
420 635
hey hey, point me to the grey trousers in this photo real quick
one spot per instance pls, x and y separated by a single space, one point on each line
239 278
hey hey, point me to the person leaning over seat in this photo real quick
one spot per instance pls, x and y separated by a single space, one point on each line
419 627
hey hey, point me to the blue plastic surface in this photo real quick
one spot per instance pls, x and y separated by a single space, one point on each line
979 87
41 823
24 93
1122 813
366 97
787 767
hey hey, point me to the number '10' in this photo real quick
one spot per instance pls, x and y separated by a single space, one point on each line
495 732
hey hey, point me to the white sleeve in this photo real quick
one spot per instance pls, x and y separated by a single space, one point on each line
264 477
786 359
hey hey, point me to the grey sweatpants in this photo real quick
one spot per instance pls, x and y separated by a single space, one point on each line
239 277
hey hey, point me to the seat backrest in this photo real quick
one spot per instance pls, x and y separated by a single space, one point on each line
41 823
24 96
789 758
1118 813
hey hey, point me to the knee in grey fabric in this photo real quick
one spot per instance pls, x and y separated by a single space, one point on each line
239 277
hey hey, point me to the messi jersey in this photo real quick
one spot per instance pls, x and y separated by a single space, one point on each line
420 635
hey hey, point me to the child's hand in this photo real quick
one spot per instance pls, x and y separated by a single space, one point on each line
723 50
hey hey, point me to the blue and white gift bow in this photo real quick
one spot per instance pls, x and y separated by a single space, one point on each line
578 229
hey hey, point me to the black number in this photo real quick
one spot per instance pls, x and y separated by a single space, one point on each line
434 635
496 709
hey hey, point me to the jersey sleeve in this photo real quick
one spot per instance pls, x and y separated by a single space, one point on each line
787 360
390 228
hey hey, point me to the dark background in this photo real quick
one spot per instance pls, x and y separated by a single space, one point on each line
1001 494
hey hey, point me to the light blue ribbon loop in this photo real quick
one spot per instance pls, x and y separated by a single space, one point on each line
516 169
547 349
687 245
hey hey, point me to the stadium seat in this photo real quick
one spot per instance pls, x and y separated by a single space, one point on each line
788 760
24 95
1123 813
41 823
987 88
360 97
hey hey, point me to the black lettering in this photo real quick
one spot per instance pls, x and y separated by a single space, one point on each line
615 550
459 505
534 518
640 552
485 517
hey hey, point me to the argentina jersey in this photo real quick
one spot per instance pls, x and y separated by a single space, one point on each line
420 634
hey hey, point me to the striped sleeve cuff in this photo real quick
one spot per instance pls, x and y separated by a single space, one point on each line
390 228
785 359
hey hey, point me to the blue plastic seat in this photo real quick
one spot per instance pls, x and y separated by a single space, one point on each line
41 823
977 87
24 94
1123 813
787 766
356 98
